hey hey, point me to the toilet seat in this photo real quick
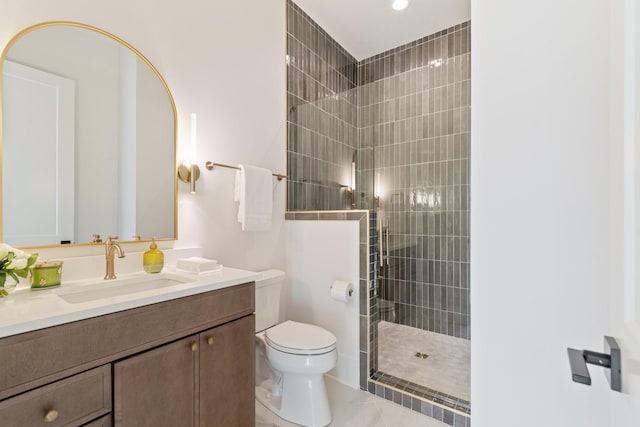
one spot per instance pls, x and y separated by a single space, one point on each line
300 338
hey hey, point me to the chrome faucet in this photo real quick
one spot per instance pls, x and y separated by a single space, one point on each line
110 246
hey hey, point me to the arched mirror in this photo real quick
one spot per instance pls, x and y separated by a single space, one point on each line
88 139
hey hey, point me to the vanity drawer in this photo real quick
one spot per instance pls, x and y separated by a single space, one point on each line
69 402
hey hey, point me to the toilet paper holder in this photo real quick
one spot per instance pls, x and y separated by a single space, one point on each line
349 292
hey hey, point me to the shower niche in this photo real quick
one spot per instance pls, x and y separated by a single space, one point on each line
390 135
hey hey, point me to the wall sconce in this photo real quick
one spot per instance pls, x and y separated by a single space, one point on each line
352 186
353 175
189 171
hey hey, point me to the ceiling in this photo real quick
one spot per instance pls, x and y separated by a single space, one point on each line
368 27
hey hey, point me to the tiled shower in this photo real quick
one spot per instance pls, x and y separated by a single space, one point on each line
402 119
414 109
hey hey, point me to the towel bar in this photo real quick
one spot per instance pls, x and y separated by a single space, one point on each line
211 165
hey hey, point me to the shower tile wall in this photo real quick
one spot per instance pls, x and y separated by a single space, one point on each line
414 112
321 116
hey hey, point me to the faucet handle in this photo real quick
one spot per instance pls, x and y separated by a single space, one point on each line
112 238
96 239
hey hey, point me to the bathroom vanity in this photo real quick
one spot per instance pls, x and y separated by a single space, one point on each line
185 359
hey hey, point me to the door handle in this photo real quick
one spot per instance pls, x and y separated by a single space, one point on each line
610 360
383 241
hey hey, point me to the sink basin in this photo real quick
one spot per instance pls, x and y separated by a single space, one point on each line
108 289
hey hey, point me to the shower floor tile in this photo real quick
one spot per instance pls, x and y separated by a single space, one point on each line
356 408
446 369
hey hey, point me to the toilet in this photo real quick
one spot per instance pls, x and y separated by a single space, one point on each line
291 358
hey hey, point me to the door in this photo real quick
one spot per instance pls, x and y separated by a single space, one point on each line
39 208
625 207
554 223
226 384
157 388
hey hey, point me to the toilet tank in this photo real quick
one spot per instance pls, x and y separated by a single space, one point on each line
268 290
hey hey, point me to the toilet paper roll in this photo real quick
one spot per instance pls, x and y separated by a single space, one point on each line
341 291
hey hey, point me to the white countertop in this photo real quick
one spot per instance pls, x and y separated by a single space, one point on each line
25 310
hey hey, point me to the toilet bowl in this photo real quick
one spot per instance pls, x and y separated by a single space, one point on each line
291 358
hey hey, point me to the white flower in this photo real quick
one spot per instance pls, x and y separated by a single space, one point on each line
20 260
17 264
14 263
5 249
19 253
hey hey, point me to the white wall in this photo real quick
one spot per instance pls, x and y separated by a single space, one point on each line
222 60
539 215
319 252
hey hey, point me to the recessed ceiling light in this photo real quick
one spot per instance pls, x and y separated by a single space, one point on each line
400 4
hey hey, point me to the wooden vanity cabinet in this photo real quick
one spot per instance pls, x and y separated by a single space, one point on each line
202 380
227 372
156 388
184 362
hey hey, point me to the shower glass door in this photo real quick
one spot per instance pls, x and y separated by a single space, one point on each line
414 109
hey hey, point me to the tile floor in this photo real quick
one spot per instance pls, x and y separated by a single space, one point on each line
356 408
447 369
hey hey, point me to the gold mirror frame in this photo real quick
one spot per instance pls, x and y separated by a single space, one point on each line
157 74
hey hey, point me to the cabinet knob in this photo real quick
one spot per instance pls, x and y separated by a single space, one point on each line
51 416
194 346
210 340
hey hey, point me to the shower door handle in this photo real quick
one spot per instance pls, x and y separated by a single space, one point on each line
386 245
383 243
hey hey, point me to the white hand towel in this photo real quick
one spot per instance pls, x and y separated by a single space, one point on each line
254 192
236 190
